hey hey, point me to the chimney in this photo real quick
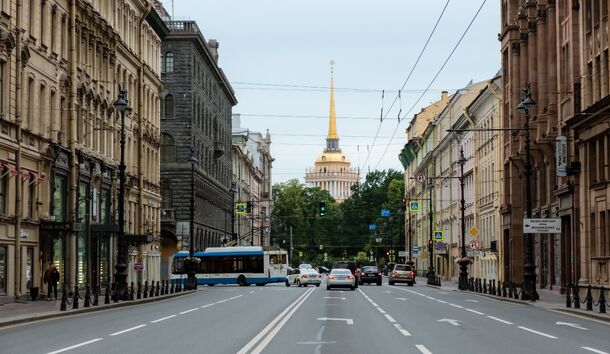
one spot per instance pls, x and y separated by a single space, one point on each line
213 45
444 95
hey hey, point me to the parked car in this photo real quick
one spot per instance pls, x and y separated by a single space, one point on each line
309 276
402 273
340 278
347 265
370 274
292 275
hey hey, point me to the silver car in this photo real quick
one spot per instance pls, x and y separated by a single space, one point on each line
340 278
309 276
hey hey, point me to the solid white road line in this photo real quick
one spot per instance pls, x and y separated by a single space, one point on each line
458 306
318 342
221 301
208 305
162 319
374 304
536 332
252 292
390 318
402 330
187 311
235 297
76 346
594 350
442 301
500 320
477 312
422 349
380 310
127 330
470 300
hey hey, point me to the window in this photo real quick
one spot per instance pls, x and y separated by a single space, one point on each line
169 62
59 195
168 148
3 270
168 107
3 191
105 207
31 199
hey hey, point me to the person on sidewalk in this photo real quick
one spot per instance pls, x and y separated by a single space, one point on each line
51 277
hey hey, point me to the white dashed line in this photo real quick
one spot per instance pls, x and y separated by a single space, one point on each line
221 301
500 320
127 330
163 319
374 304
187 311
442 301
536 332
380 310
458 306
235 297
390 318
204 306
402 330
594 350
422 349
78 345
477 312
252 292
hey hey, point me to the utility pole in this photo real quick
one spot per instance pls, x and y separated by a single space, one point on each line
464 261
291 248
431 274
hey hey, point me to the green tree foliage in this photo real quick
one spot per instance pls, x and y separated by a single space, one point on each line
362 258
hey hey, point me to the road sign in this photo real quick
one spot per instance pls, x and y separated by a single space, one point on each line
561 156
325 257
476 253
240 208
474 232
415 248
474 244
300 254
402 253
439 235
420 177
138 266
413 207
372 227
541 226
321 247
385 213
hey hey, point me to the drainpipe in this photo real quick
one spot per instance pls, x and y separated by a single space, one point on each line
70 268
18 120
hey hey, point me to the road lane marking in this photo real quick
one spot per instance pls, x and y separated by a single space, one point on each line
402 330
331 297
449 320
75 346
127 330
208 305
276 323
349 321
470 300
458 306
390 318
422 349
477 312
163 319
221 301
235 297
252 292
318 349
374 304
442 292
187 311
500 320
380 310
574 325
442 301
536 332
594 350
319 342
400 298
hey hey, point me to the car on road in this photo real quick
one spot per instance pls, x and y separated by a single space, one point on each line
402 273
340 278
309 276
322 270
305 266
348 265
292 275
370 274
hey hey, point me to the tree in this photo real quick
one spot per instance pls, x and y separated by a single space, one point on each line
362 258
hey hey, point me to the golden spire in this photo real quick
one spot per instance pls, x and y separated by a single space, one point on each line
332 124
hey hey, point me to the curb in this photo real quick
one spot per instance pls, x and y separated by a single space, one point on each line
493 297
574 312
91 309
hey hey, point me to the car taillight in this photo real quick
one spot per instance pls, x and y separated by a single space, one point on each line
363 274
305 276
331 277
411 273
394 274
350 277
379 273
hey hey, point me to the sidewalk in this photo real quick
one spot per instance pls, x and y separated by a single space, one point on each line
549 299
12 312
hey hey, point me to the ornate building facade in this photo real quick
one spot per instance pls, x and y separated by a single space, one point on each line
332 170
59 155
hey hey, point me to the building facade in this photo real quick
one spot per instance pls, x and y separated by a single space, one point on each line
61 73
252 167
332 170
196 114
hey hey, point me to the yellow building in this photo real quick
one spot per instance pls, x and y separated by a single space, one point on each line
332 171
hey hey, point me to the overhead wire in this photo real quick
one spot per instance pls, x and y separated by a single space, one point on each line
434 78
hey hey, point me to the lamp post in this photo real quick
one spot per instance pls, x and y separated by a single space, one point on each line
529 268
431 274
192 280
464 261
120 293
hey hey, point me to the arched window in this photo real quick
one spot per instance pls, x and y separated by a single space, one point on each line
168 107
169 62
168 148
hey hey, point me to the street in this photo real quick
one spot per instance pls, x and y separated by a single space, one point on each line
277 319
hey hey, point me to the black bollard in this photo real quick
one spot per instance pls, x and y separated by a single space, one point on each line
510 290
171 289
439 281
64 300
568 298
589 299
107 295
75 298
96 296
152 289
493 288
166 287
162 287
602 300
472 284
484 286
476 285
576 293
157 289
87 297
146 289
139 293
132 293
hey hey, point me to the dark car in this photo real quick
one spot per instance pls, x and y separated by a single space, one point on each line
348 265
370 274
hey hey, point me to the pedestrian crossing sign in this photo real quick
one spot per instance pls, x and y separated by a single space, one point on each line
240 208
414 207
439 235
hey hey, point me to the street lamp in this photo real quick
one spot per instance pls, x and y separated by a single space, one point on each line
120 293
463 261
529 268
431 274
192 280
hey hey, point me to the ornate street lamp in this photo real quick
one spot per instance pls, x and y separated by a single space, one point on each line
431 274
120 293
192 279
529 268
463 261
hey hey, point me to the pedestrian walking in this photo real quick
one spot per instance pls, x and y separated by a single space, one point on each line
51 277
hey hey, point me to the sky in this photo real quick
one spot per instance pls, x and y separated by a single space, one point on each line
276 55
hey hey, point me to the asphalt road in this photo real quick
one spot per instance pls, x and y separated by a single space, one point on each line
276 319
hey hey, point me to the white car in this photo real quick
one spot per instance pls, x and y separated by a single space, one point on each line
340 278
305 266
309 276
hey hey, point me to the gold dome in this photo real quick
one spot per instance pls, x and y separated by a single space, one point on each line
332 157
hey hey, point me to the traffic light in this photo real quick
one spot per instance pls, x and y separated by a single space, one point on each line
249 207
322 208
430 245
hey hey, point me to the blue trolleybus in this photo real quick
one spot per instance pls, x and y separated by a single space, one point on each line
243 265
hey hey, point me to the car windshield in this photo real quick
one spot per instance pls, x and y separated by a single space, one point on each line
341 272
369 269
402 267
309 271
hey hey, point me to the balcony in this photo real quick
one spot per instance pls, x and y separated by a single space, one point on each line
219 149
182 26
168 216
